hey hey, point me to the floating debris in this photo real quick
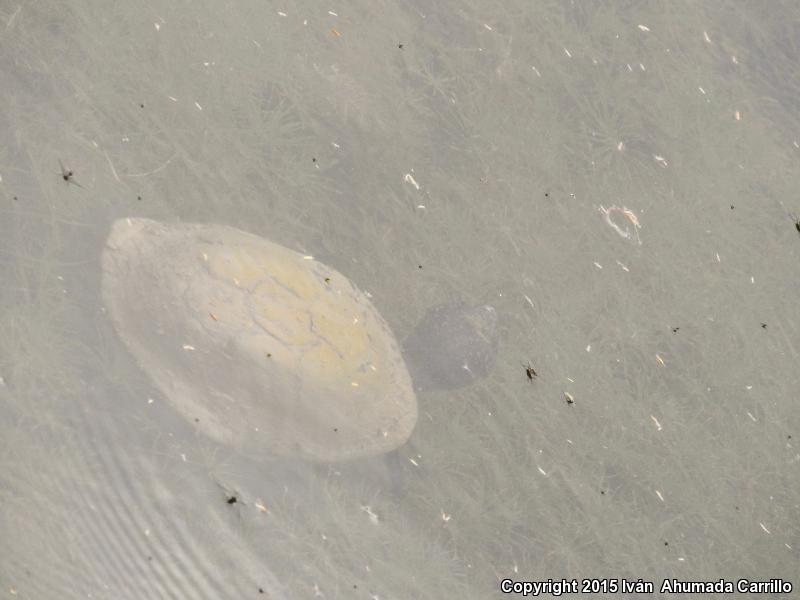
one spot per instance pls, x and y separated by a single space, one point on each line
629 215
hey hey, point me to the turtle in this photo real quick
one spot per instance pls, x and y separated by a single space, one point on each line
272 352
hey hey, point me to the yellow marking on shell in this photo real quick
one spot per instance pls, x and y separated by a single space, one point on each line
293 301
342 349
251 265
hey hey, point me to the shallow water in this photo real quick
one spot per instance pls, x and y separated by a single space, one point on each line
470 165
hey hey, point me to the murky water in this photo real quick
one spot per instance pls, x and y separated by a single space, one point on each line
616 179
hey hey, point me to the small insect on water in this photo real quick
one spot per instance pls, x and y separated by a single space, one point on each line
530 372
68 175
796 222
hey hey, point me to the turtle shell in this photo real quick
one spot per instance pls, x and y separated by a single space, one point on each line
260 347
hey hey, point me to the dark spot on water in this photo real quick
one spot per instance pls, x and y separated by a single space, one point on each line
530 372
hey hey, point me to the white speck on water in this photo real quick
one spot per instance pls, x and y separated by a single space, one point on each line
372 516
409 178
